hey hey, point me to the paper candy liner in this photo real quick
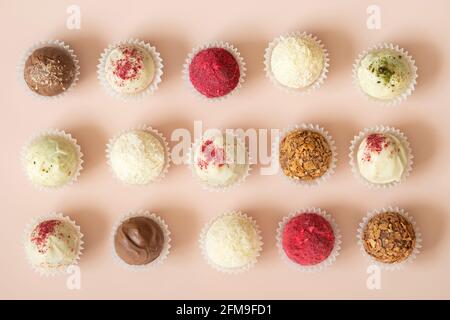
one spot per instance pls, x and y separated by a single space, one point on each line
312 87
384 130
217 44
202 242
153 86
310 127
26 237
214 188
156 134
164 252
412 65
397 265
29 52
337 240
53 133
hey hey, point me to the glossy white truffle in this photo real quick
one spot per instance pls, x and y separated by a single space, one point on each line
53 244
51 160
384 74
129 69
382 158
220 160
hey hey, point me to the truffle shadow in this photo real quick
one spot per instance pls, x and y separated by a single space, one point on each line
422 138
92 140
92 222
428 60
88 50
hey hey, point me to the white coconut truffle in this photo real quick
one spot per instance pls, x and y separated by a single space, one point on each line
297 62
137 157
232 241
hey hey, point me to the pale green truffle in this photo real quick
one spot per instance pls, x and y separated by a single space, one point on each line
384 74
51 161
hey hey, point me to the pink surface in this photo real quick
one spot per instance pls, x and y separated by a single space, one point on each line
175 27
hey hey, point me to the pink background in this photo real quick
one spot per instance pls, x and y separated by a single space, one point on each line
175 27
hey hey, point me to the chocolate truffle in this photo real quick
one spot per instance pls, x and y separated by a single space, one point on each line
137 157
52 244
49 71
129 69
232 241
51 160
308 239
389 237
304 155
384 74
220 160
297 62
214 72
139 240
382 158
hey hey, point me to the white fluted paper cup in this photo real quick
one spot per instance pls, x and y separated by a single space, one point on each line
216 188
390 266
310 127
334 252
152 87
357 140
155 134
59 134
166 246
216 44
253 260
399 51
47 271
42 44
313 86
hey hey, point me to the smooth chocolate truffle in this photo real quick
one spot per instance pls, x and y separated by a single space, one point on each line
389 237
139 241
49 71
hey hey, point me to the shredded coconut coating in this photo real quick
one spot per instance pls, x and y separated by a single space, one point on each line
137 157
297 62
232 241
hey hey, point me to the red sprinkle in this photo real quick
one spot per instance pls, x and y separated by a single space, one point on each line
214 72
213 155
128 68
375 143
41 233
308 239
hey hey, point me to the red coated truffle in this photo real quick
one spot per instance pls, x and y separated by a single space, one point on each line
308 239
214 72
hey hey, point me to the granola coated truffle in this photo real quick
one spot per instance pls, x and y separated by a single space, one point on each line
389 237
304 155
